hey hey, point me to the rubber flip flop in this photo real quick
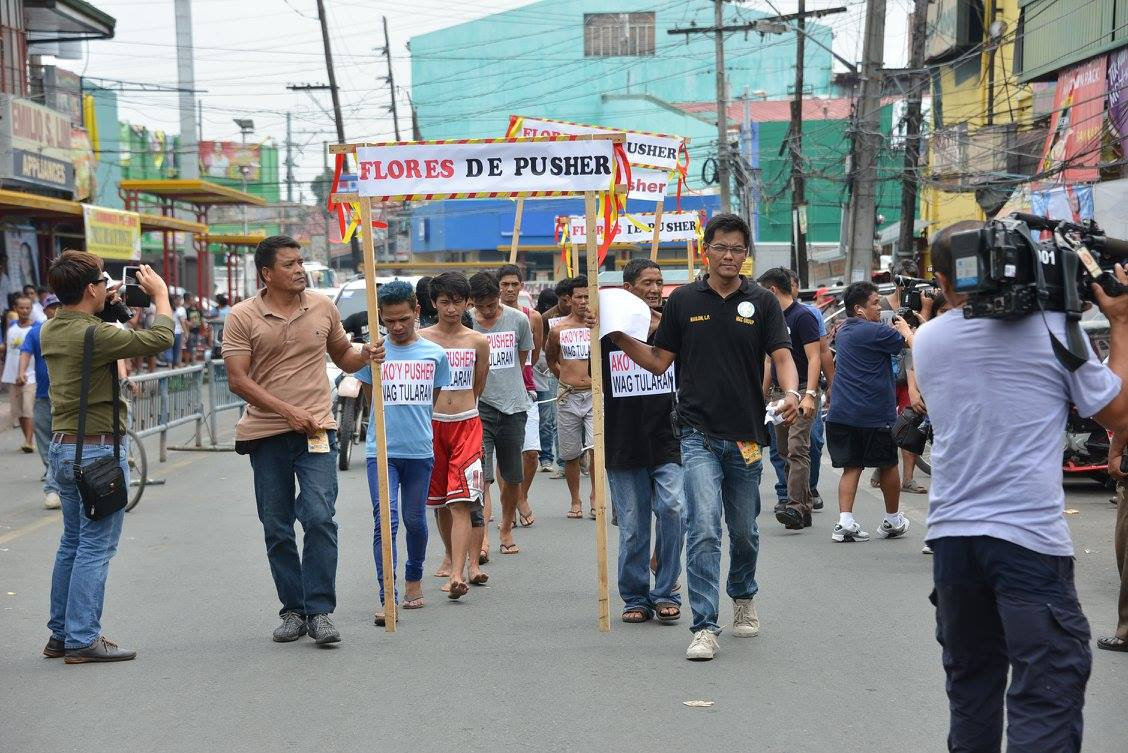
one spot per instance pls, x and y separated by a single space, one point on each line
667 617
575 514
636 616
480 579
458 590
416 603
509 549
526 520
483 558
1112 643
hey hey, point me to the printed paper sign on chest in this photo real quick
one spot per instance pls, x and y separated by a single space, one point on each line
628 379
575 344
408 382
462 362
503 349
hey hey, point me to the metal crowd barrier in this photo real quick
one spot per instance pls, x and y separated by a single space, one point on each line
166 399
220 396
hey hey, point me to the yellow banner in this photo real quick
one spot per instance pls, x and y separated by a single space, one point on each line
112 233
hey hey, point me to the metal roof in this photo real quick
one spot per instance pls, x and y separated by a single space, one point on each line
199 192
45 206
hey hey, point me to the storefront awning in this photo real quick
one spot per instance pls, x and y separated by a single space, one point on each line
45 207
66 21
202 193
234 240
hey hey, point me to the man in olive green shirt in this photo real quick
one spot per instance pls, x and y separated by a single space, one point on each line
78 583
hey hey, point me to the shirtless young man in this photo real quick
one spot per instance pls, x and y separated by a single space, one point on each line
456 482
510 280
567 354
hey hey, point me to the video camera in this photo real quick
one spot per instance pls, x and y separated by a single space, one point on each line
914 290
1007 274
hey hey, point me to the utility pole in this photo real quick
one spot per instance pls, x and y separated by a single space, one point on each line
289 162
910 178
355 244
722 105
798 180
863 202
390 78
186 80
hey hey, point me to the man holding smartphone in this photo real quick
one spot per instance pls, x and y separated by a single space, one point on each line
859 424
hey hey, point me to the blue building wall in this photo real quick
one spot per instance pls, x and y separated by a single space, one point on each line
468 78
484 224
108 171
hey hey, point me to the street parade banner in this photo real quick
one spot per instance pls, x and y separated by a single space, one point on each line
639 228
112 233
659 150
486 168
648 185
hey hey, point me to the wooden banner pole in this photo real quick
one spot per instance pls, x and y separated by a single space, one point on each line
597 464
689 258
657 230
516 231
386 542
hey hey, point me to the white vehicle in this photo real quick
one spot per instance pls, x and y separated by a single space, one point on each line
322 279
353 297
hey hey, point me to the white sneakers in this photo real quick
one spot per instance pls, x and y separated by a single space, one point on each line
852 532
745 623
890 531
704 646
52 501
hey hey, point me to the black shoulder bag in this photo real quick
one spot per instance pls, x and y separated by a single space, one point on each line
101 484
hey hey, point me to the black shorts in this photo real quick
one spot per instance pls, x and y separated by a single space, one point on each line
859 447
503 435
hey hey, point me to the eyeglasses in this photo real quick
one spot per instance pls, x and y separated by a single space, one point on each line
721 248
100 281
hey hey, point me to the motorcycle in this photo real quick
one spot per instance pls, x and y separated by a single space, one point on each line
1086 449
350 409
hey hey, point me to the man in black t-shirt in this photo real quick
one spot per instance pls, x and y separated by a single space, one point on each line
719 329
643 465
794 441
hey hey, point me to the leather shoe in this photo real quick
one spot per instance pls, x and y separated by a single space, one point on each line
101 650
791 518
55 648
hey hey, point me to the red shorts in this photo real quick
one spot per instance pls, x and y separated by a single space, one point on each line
457 476
902 397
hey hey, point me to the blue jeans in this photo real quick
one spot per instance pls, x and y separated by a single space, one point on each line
547 425
717 479
818 441
306 585
1003 609
636 494
172 355
78 582
42 417
409 479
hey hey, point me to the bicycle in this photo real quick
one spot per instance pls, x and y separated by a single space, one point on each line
138 470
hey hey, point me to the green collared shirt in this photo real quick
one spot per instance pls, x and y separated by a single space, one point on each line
62 341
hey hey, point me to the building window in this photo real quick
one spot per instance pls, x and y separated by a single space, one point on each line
617 34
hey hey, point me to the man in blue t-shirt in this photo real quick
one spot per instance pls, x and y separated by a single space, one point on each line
413 373
859 423
32 351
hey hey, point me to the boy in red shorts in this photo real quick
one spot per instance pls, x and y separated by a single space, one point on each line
456 481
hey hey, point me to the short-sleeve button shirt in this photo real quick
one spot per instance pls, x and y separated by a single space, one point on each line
720 345
287 358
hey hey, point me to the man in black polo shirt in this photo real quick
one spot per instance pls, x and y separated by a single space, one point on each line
643 465
719 329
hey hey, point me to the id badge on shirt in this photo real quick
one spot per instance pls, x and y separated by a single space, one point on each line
750 451
319 442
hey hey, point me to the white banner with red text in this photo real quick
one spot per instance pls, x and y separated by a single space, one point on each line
639 228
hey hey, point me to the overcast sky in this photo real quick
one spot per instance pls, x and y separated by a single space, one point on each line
246 52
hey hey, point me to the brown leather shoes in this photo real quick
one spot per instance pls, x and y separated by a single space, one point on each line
54 649
101 650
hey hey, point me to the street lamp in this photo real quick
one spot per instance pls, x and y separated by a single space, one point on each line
246 127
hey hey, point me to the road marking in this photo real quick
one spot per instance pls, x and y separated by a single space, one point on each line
15 533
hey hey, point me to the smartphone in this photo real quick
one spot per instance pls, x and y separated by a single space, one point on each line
131 292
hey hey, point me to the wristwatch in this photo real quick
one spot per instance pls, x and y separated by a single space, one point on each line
812 393
795 393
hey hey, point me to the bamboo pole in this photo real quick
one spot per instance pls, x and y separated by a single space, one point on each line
657 230
689 258
386 542
597 464
516 231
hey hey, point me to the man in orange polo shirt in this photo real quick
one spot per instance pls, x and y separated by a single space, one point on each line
274 347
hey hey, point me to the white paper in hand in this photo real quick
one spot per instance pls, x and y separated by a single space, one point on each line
622 311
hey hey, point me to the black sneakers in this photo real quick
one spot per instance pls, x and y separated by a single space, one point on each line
101 650
293 627
321 629
55 648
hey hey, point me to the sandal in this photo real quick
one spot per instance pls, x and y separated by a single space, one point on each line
416 602
458 590
527 520
480 579
575 514
635 616
673 612
913 487
509 549
1113 643
483 557
591 514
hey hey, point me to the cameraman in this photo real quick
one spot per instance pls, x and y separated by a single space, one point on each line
1003 564
78 584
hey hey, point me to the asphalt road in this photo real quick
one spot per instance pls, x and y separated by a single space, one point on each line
846 660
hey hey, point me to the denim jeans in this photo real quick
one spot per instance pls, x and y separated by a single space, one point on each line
1002 608
547 424
78 583
818 441
409 479
636 495
172 355
43 441
306 585
718 480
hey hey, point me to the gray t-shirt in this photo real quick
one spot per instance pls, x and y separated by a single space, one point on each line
509 337
998 400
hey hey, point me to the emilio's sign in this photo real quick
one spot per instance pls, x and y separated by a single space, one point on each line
35 145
